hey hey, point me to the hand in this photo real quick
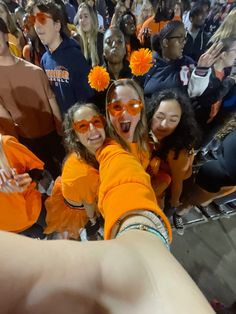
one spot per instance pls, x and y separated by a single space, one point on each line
208 58
146 32
22 181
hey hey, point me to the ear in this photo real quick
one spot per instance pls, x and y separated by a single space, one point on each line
165 43
58 26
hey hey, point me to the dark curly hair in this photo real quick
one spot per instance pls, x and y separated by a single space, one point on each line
71 142
187 133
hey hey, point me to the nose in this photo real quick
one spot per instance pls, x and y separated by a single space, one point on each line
114 44
91 126
164 123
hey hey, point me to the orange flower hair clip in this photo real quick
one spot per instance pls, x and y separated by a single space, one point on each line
141 61
99 78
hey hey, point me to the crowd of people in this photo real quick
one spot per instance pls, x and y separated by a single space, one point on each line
120 163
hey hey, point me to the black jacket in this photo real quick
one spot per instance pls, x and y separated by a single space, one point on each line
168 74
195 48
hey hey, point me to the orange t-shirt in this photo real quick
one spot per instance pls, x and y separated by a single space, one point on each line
78 183
153 26
19 211
125 186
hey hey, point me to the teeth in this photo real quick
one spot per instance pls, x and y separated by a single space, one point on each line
95 137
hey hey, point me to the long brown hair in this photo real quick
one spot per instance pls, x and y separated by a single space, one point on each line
71 142
141 131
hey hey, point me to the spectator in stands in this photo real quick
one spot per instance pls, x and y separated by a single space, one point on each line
128 26
20 170
92 39
115 54
34 49
120 9
74 197
163 14
216 177
175 134
172 69
226 29
63 62
197 38
146 12
209 110
15 37
29 106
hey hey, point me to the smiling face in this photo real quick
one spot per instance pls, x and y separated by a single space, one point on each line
85 21
129 24
94 137
48 31
166 118
125 123
114 46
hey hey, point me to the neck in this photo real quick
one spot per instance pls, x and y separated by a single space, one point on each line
115 69
55 44
8 59
127 39
194 29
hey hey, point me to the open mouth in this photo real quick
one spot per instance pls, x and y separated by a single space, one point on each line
94 137
125 126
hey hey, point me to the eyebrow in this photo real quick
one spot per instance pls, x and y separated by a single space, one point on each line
172 116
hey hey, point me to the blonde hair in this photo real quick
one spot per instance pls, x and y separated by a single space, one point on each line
141 18
90 39
226 29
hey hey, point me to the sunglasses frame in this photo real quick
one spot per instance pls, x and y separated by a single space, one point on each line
76 128
126 106
41 17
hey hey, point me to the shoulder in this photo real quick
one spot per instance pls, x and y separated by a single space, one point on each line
187 61
8 140
75 168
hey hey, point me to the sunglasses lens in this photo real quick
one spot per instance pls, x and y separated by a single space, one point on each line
41 18
97 122
115 108
81 127
30 21
134 107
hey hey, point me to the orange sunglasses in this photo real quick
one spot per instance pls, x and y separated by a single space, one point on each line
133 107
40 17
82 126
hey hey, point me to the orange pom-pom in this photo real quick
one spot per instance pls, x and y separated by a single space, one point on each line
141 61
98 78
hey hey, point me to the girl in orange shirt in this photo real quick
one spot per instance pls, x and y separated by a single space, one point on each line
126 121
20 201
175 133
73 203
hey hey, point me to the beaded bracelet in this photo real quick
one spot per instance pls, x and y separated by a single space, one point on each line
147 228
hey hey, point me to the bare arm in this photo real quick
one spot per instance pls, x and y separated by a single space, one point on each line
118 276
